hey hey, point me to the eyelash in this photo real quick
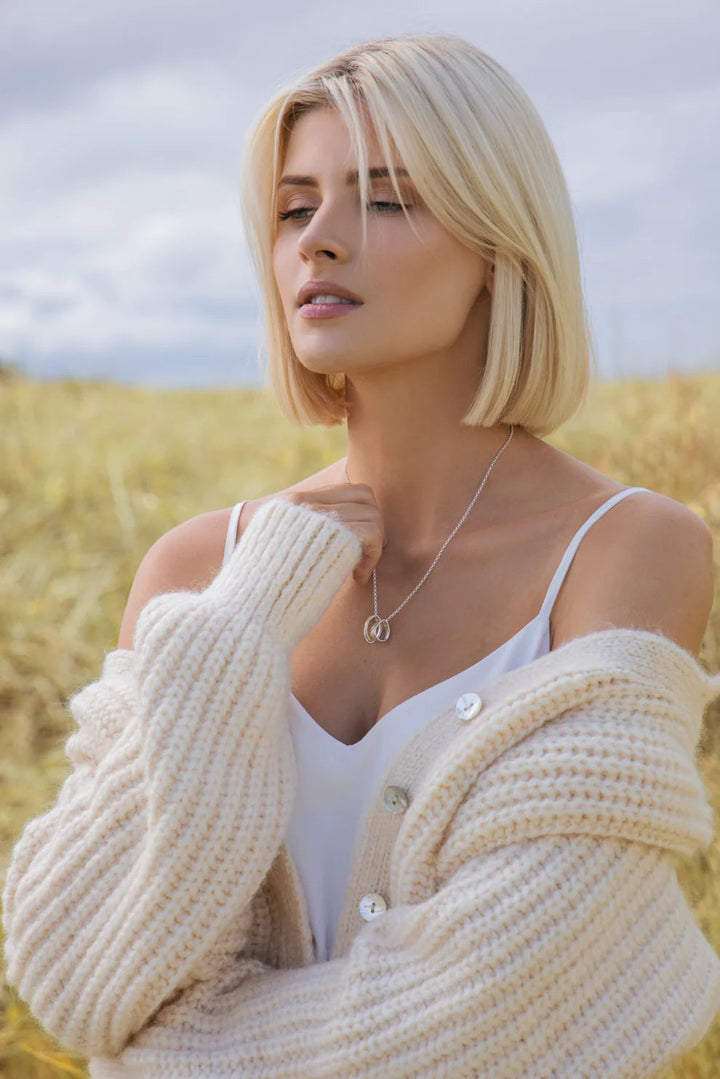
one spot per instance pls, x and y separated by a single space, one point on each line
299 209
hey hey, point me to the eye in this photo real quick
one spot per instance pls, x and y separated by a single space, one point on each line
302 209
292 213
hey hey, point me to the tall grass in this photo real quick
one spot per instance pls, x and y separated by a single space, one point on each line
92 473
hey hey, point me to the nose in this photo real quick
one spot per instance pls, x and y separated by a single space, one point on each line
320 238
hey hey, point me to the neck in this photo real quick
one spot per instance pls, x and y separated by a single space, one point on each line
424 474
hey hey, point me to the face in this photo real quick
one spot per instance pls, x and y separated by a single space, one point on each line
420 296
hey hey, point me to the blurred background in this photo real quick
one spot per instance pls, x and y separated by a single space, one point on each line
121 129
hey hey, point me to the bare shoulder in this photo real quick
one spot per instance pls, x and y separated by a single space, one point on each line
189 556
645 564
185 557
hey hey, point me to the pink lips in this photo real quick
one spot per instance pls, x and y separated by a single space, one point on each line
318 287
327 310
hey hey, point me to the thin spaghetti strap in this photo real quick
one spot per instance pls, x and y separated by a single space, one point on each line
573 545
231 537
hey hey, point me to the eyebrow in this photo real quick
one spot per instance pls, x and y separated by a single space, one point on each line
352 177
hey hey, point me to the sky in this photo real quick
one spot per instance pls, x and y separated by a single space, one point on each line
122 125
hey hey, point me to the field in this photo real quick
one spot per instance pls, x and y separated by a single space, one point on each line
91 474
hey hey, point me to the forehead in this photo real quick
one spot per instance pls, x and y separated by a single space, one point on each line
319 139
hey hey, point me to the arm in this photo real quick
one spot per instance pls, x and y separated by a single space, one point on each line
556 941
551 955
181 791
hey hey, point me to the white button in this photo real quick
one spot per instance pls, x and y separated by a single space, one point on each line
395 799
371 905
468 706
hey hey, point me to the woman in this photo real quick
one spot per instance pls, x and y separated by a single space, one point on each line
423 828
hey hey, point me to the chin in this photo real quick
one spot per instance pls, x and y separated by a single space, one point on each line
334 362
319 368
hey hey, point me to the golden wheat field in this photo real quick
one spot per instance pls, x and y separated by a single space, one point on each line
92 473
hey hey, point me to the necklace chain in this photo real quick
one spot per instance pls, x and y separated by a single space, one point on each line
377 629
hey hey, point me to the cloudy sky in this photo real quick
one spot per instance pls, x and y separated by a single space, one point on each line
122 252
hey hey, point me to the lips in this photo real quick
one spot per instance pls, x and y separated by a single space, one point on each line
325 288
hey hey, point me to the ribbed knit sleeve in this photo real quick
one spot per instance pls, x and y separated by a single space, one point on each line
181 790
556 958
548 935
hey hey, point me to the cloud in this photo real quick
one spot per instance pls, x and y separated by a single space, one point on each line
122 126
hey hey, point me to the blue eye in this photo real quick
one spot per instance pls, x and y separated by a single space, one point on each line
301 209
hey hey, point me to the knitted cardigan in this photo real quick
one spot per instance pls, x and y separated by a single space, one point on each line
534 923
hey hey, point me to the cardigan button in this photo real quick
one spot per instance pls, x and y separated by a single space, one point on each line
371 905
395 799
468 706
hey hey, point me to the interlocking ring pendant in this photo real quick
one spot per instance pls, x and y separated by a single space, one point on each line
376 630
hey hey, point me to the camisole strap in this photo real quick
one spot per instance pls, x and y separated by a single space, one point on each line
572 547
231 537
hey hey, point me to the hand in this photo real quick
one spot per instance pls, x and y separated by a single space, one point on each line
354 505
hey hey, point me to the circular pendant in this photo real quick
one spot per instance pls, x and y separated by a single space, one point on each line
376 630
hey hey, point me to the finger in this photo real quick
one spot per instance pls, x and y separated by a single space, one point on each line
345 492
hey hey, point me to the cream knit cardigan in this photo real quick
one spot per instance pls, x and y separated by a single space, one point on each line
535 926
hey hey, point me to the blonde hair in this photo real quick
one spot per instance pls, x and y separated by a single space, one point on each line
481 159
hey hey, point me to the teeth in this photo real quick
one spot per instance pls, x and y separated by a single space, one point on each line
330 299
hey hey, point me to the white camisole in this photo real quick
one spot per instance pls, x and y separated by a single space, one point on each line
336 781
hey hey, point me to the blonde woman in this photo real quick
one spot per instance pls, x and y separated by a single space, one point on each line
388 772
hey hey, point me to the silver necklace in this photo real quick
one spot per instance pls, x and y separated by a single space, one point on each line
376 629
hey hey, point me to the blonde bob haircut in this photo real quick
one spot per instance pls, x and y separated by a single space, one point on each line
482 161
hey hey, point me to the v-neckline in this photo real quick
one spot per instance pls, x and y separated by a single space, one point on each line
415 696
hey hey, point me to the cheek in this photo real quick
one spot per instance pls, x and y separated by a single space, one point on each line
283 275
429 285
277 262
422 268
403 274
449 276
